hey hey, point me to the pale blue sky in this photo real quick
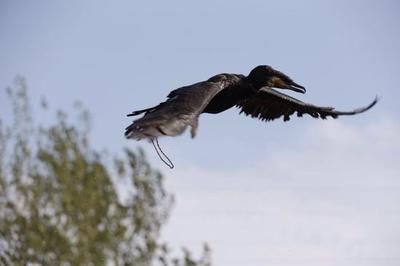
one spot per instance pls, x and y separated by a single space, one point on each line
118 56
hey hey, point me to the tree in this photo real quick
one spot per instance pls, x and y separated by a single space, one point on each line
59 204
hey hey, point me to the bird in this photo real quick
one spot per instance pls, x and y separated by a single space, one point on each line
256 95
253 95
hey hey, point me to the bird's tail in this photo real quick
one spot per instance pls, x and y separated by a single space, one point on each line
139 130
153 126
165 119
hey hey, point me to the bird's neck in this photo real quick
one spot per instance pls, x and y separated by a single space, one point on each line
253 84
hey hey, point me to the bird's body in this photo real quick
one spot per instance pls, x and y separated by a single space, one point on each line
253 94
236 90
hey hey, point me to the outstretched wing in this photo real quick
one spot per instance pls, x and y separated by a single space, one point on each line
181 109
269 104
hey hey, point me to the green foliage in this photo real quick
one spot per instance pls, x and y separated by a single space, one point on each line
58 200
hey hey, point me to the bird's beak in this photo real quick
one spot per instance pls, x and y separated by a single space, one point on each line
294 87
287 84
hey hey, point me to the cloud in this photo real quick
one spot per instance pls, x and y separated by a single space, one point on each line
329 197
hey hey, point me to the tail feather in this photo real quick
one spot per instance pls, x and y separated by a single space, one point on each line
145 128
134 113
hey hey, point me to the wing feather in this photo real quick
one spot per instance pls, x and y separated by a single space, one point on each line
269 104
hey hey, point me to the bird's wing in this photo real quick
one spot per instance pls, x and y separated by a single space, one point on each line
180 110
269 104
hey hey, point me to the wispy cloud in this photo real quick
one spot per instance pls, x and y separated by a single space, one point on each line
330 197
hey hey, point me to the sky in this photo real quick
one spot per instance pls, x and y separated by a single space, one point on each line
305 192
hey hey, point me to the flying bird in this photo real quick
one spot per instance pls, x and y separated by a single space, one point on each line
254 95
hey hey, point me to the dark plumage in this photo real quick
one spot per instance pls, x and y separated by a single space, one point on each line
253 95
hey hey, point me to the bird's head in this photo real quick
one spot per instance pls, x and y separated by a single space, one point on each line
266 76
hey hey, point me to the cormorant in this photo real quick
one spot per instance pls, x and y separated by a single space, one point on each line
253 95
